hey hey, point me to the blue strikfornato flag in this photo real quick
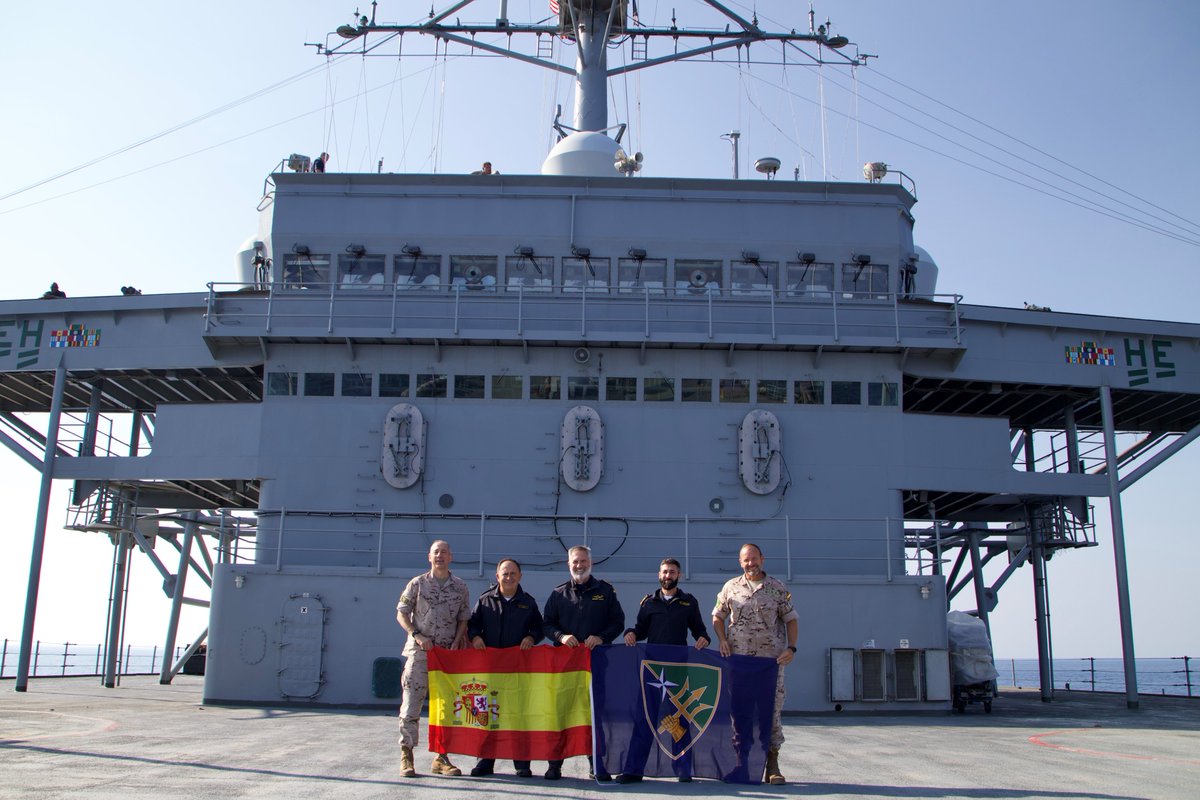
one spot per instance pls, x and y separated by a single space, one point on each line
673 711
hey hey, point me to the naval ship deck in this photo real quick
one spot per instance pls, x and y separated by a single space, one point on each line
71 739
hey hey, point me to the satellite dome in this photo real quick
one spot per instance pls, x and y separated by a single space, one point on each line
587 154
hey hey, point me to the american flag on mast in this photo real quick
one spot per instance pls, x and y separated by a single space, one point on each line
553 6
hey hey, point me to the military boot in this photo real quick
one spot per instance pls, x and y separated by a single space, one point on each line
773 775
442 766
407 770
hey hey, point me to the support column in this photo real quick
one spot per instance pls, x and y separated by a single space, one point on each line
977 578
1072 431
1037 559
1118 533
39 529
116 611
185 552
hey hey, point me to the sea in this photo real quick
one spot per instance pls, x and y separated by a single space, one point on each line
1179 675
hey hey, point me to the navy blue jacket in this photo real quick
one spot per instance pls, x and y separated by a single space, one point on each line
582 611
660 622
504 623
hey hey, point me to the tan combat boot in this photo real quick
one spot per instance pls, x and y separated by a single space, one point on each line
442 766
407 770
773 775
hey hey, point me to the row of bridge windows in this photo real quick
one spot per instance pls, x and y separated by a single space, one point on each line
531 273
583 388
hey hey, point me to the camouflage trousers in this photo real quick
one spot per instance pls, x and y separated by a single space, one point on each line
776 718
415 685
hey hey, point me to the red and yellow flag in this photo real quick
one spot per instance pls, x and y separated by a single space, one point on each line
511 703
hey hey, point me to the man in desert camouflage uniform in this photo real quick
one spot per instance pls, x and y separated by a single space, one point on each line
434 610
754 617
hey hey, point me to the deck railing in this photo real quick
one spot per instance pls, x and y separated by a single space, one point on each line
379 540
621 313
66 659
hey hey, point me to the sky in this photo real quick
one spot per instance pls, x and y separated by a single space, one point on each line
137 141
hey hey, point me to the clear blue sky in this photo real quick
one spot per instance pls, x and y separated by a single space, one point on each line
1103 86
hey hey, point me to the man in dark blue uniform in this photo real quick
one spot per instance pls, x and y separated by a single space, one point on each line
505 616
664 617
583 612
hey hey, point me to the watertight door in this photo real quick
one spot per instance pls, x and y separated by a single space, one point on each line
301 644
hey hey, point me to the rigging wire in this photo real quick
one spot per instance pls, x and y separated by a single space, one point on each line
1037 150
1078 200
387 109
824 123
168 131
222 143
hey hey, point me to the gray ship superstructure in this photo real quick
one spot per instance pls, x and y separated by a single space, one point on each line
651 366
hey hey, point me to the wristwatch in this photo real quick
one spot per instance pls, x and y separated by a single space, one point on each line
792 647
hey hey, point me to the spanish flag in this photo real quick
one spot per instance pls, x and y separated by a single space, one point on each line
511 703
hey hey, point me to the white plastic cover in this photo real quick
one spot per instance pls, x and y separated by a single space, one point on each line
970 649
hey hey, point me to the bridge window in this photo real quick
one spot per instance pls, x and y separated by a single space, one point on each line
589 273
318 384
474 272
529 273
735 390
812 281
638 275
393 385
810 393
468 387
865 281
883 394
583 388
620 389
696 277
658 389
847 393
696 390
431 385
545 387
356 384
753 277
508 387
306 271
417 272
771 391
281 383
361 271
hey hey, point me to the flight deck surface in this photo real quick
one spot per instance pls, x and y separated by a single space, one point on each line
70 738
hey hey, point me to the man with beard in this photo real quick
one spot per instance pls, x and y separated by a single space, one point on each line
583 612
664 617
754 617
505 616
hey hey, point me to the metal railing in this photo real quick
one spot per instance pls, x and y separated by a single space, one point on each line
66 659
378 540
636 313
1155 675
